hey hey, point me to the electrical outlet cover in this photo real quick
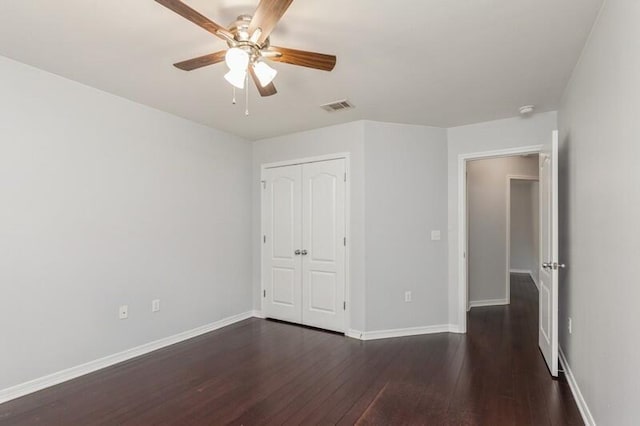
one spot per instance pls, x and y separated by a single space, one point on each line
123 312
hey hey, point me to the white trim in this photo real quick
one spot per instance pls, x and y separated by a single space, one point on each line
354 334
91 366
462 220
520 271
306 160
257 314
346 156
508 253
401 332
587 418
487 302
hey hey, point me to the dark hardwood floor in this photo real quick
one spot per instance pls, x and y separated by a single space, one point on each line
266 372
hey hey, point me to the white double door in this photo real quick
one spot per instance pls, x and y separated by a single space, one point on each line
304 243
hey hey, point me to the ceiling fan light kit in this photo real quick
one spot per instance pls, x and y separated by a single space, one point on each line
264 72
249 46
236 59
236 78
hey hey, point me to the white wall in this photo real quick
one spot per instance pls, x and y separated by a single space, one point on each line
329 140
397 180
406 198
600 207
106 202
524 226
500 134
487 204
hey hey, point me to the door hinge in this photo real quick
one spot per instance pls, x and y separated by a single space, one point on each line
345 176
344 306
264 293
264 184
344 241
264 239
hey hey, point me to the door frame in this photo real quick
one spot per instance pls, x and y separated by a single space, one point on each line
511 178
463 229
346 156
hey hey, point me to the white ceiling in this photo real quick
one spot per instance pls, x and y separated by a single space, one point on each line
433 62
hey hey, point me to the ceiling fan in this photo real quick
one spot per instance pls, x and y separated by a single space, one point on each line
249 46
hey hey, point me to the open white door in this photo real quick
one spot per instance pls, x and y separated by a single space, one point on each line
282 222
548 296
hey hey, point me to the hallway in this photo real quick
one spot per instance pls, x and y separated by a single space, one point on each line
267 372
507 378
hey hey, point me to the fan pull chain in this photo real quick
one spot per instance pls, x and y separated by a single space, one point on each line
246 93
233 101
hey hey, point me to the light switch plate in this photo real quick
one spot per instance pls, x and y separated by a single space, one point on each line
435 235
155 305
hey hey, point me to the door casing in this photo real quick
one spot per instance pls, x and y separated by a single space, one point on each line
463 228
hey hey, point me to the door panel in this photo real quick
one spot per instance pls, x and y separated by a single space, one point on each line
283 288
322 295
282 224
323 238
548 296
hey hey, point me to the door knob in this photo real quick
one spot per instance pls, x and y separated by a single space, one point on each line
304 252
553 265
297 252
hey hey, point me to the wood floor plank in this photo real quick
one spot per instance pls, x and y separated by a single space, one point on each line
268 372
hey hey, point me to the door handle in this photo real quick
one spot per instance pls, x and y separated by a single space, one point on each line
553 265
297 252
304 252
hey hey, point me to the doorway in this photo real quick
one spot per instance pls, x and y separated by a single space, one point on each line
304 247
523 227
493 185
549 263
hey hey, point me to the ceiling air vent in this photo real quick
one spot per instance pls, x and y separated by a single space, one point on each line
337 106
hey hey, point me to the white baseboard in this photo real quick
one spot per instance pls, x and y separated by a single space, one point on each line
520 271
91 366
488 302
401 332
257 314
354 334
587 418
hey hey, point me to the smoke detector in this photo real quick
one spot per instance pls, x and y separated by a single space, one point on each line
527 109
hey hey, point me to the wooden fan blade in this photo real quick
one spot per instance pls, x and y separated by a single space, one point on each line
186 12
268 90
201 61
267 16
303 58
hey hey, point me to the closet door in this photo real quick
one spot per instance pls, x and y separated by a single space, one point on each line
281 260
323 244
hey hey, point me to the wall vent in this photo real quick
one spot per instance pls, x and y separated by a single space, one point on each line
337 106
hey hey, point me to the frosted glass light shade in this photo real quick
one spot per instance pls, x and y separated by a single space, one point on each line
236 59
264 72
236 78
